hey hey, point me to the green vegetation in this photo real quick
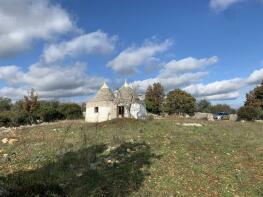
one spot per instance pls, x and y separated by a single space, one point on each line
253 108
179 102
134 158
154 98
29 110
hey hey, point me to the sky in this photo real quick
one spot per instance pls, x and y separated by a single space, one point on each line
66 49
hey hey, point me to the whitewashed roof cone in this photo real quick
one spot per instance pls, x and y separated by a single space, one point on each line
126 92
104 94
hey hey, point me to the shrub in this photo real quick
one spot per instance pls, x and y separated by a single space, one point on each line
48 111
5 121
248 113
70 110
18 118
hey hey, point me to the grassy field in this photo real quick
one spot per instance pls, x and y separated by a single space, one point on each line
134 158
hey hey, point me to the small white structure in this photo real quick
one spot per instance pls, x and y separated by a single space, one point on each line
107 106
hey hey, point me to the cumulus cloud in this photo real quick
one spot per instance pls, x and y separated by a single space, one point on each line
214 88
226 96
22 22
95 42
220 5
178 73
50 81
127 62
255 77
185 65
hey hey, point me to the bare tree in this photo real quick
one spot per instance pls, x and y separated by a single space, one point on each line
30 104
127 100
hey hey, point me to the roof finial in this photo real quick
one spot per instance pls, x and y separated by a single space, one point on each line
126 84
104 85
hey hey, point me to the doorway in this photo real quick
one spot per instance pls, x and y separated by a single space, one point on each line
120 111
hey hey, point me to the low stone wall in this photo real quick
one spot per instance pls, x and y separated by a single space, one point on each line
203 116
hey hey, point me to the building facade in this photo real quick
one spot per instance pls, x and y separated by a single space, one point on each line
107 106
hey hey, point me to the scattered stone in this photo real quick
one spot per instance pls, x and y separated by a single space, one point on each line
242 121
200 116
12 141
5 140
189 124
210 117
192 124
187 116
260 121
233 117
203 116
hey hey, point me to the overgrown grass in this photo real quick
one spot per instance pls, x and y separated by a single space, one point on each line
135 158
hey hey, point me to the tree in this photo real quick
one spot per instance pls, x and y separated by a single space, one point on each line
30 104
248 113
204 106
70 110
255 97
222 108
5 104
154 98
180 102
48 111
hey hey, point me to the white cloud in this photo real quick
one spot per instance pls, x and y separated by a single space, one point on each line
10 74
255 77
50 81
127 61
185 65
226 96
220 5
95 42
178 73
215 88
22 22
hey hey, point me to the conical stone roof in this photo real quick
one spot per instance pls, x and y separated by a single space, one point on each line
104 94
126 93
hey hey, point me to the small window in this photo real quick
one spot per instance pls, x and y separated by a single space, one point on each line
96 109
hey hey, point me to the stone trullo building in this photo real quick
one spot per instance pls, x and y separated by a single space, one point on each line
107 106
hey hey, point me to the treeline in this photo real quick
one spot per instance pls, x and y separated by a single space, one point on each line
30 110
179 102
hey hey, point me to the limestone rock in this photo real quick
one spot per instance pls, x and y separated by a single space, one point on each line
5 140
200 116
233 117
210 117
12 141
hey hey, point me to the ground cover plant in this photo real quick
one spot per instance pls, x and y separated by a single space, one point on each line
134 158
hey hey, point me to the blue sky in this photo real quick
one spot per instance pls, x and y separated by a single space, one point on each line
65 49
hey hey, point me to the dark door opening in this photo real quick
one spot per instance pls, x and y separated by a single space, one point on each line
121 111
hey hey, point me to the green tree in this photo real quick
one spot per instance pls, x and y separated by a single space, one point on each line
70 110
248 113
47 111
180 102
204 106
255 97
222 108
5 104
154 98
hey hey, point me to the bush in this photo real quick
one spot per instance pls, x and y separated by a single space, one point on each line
48 111
18 118
5 121
70 111
248 113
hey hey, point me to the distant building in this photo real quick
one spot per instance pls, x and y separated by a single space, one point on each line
107 106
